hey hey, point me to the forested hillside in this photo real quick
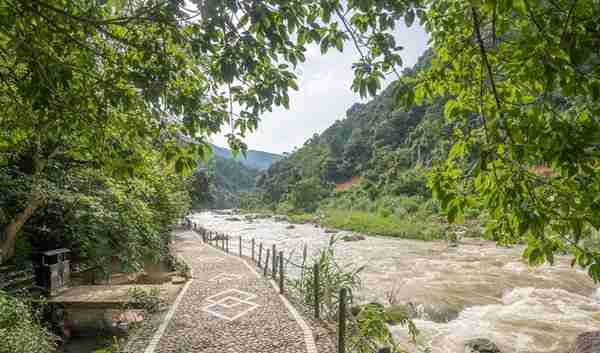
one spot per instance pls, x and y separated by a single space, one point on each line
384 145
378 156
219 182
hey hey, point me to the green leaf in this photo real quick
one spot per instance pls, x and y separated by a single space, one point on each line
409 17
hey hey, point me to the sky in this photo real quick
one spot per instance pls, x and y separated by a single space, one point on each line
323 97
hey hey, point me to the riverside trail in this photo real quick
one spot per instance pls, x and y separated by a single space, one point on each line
225 307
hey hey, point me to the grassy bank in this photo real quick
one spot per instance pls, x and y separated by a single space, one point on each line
370 223
377 224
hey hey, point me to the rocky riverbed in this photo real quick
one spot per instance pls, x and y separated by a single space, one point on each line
474 290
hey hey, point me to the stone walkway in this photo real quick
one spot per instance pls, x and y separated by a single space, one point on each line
228 307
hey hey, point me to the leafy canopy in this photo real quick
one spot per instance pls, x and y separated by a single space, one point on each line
524 81
101 91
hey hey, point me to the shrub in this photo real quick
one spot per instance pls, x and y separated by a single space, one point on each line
306 194
148 300
20 328
332 278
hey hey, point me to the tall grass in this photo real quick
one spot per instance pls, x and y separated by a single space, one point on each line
408 227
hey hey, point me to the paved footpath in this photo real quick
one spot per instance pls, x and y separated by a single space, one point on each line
228 307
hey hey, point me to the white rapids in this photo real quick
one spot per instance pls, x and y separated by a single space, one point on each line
474 290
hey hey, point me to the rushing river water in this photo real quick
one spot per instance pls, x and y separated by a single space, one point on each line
474 290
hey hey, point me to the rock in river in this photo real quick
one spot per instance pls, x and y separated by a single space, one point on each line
355 237
588 342
481 345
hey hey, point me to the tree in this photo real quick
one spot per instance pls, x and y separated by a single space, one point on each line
524 81
101 83
306 193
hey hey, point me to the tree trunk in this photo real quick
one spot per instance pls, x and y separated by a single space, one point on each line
7 246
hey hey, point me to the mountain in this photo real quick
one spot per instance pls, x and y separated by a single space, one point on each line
253 159
379 144
219 183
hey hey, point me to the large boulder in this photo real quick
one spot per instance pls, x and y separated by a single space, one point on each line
588 342
481 345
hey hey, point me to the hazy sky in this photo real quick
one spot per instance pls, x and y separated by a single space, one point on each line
323 97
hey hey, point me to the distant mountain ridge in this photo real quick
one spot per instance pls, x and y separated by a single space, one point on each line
254 159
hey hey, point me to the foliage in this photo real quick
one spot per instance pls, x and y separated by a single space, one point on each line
369 328
147 299
117 86
332 278
20 329
305 194
523 77
374 224
129 222
103 218
220 182
181 266
252 200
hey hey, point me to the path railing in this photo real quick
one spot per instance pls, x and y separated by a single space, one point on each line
274 264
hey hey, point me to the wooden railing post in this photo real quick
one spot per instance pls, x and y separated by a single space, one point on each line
274 270
259 254
252 249
304 251
227 243
281 272
342 321
316 290
240 246
267 263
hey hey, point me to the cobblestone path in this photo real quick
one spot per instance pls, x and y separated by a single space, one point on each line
228 307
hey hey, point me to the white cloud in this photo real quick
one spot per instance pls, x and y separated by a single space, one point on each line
324 95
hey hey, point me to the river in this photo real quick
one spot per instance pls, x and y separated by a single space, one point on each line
474 290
